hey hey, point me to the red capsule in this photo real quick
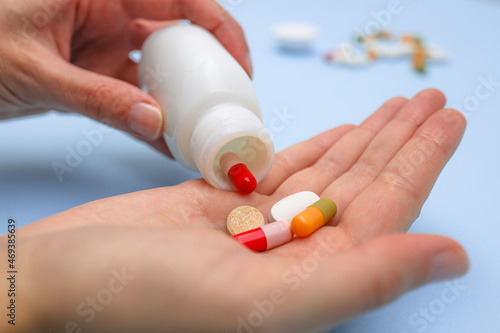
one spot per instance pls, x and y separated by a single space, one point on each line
242 178
254 239
238 173
266 237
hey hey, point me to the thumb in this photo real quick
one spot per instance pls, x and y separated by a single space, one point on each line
375 273
111 101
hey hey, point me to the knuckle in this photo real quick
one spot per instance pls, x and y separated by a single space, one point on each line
383 288
431 140
95 100
365 168
400 183
283 163
101 103
324 142
329 164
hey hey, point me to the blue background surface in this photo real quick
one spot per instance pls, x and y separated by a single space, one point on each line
463 204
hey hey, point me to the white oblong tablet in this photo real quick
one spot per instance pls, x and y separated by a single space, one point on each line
286 209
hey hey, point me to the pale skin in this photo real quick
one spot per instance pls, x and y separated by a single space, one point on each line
189 275
182 272
72 55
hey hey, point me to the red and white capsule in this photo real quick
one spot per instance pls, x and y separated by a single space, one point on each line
266 237
238 173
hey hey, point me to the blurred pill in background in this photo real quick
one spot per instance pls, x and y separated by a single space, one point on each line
295 36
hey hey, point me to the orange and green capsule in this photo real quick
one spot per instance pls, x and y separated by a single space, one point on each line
314 217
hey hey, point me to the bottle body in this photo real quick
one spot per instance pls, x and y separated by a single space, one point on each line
209 103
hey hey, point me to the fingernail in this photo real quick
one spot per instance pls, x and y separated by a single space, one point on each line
449 265
249 65
145 120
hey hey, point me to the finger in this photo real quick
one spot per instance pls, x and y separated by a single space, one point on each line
333 289
161 146
342 155
393 201
383 148
299 156
141 29
7 114
206 13
111 101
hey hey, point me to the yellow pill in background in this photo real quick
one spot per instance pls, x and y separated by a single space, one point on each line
314 217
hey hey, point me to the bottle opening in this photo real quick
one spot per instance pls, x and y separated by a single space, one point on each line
251 150
231 129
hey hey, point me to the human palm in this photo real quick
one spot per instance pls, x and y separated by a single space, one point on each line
187 274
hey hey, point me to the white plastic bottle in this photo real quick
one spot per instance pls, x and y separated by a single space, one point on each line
208 100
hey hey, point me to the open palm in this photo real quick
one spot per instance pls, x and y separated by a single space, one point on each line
186 274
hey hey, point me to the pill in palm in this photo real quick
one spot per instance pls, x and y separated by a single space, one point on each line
266 237
238 173
244 218
314 217
286 209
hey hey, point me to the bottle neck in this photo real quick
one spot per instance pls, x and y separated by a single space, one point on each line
233 128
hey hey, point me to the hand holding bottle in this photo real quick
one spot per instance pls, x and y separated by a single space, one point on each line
73 56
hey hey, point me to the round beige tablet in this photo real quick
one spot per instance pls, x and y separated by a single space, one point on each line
244 218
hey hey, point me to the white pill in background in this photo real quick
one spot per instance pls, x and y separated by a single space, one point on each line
348 55
355 60
295 36
386 50
434 52
286 209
